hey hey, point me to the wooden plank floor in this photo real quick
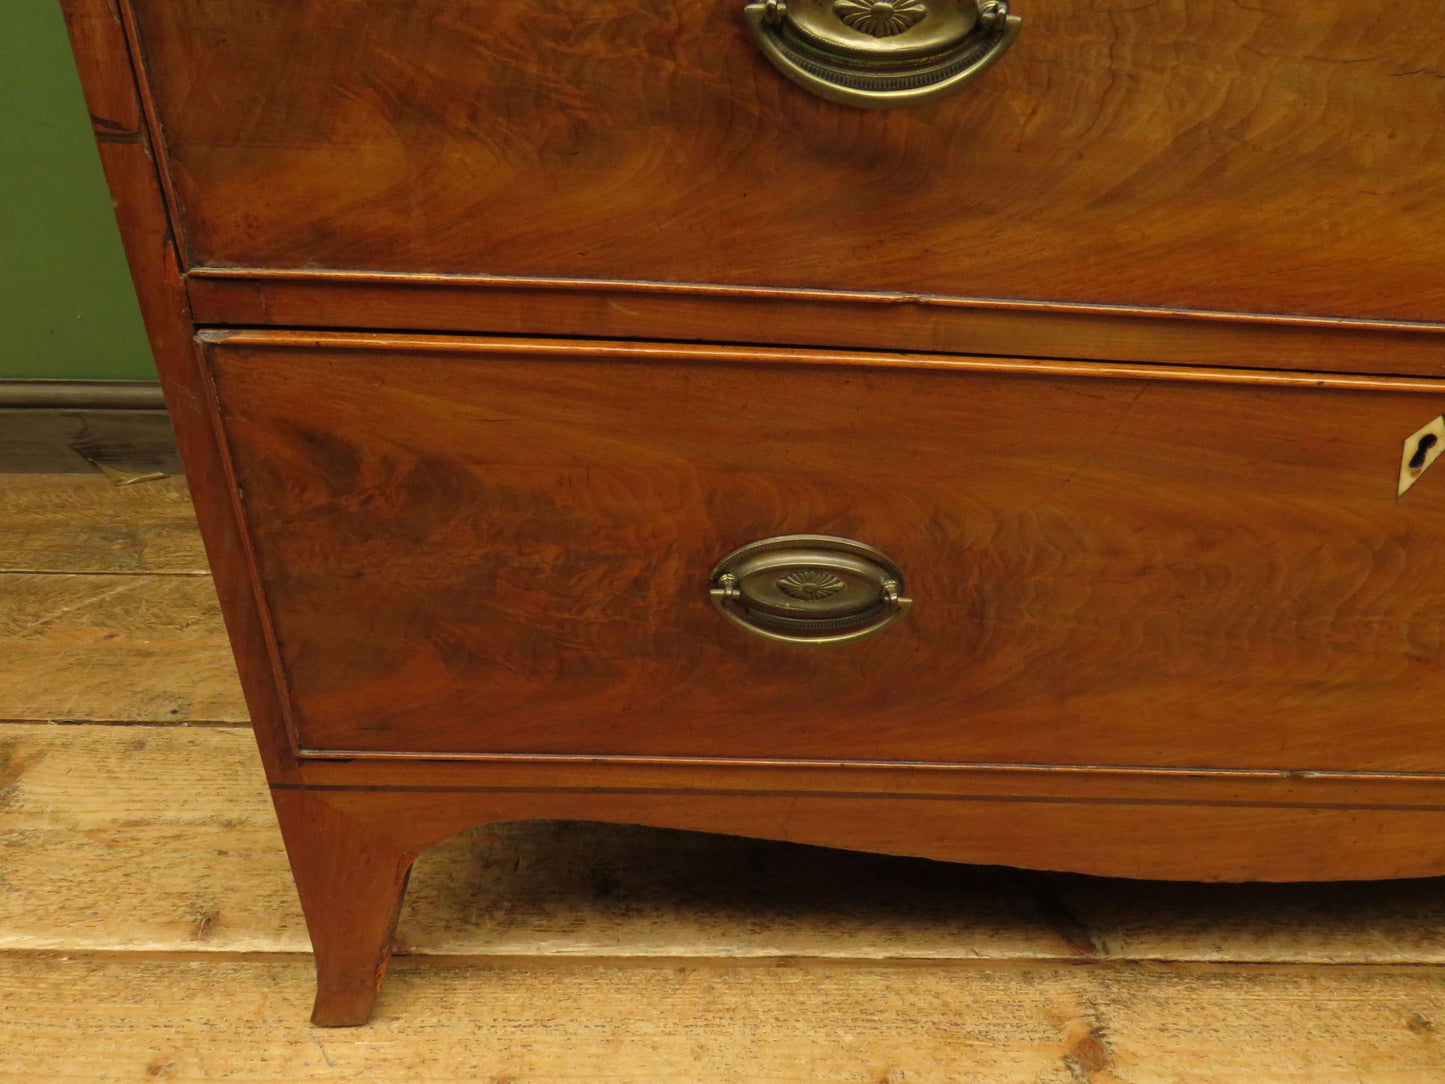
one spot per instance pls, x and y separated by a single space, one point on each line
149 929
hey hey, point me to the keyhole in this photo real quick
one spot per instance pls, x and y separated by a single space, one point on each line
1428 441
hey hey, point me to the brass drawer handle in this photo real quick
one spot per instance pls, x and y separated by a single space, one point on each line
880 54
809 589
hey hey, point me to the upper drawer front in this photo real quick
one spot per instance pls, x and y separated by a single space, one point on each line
1281 156
506 547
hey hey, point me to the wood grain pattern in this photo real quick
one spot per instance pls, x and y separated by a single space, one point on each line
351 879
351 850
44 439
156 662
105 57
115 648
83 523
446 137
94 863
867 1024
1275 157
510 306
141 839
497 550
1167 841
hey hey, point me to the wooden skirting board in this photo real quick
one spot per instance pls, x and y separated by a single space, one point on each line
149 927
81 395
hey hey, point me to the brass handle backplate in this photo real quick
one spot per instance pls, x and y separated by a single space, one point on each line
880 54
809 589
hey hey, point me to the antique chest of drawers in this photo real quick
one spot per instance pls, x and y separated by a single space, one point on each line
928 426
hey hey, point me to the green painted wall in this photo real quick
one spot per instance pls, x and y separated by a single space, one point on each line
67 310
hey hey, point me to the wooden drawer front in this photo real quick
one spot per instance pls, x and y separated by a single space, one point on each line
505 548
1279 156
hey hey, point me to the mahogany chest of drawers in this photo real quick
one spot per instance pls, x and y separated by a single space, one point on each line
717 415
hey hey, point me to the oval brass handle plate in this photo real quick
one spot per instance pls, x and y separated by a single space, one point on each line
809 589
880 54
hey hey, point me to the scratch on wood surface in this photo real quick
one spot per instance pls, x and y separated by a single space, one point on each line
90 600
324 1055
1097 450
203 921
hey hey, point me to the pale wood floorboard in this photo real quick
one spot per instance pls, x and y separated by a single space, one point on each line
163 839
540 1021
122 648
82 523
149 928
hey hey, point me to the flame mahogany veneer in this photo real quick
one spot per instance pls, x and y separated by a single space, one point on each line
1115 353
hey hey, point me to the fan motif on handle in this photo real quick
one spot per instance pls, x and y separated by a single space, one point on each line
810 584
881 18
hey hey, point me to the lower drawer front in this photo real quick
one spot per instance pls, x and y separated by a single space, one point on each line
505 547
